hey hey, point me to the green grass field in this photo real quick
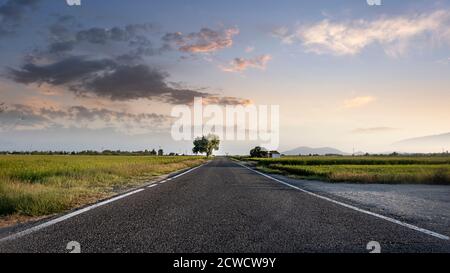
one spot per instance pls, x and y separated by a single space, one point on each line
44 185
371 169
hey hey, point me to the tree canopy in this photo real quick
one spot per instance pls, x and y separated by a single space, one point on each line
258 152
206 144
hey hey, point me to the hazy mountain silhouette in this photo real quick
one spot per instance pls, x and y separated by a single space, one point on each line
308 150
432 141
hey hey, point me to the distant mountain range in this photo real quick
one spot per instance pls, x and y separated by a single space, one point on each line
425 144
432 141
308 150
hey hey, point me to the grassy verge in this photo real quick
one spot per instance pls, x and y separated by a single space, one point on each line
357 160
35 186
383 170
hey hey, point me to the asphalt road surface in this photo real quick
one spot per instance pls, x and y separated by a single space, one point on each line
224 207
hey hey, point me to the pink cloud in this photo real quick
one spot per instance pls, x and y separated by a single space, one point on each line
242 64
204 41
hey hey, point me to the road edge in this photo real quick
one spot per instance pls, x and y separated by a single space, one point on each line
24 229
386 218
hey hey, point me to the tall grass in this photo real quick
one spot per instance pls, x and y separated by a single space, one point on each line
385 174
370 169
358 160
43 185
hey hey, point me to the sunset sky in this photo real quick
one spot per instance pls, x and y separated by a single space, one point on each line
106 74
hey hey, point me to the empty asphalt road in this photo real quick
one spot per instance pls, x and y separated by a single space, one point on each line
224 207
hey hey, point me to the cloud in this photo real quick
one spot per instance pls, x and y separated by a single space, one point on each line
249 49
226 100
114 73
284 34
24 117
395 34
443 61
204 41
62 72
373 130
12 13
19 116
139 81
98 35
65 38
242 64
358 102
107 78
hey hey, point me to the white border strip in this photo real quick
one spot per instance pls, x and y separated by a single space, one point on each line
426 231
78 212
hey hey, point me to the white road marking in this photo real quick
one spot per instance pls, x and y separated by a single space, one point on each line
186 172
65 217
426 231
78 212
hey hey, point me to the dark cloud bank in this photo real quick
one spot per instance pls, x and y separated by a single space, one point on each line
12 14
120 77
111 79
19 115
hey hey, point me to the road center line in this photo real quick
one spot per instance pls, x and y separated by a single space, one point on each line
392 220
152 185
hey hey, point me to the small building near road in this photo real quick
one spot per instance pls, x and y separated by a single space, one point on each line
274 154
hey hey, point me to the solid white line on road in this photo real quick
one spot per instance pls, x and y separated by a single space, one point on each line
426 231
67 216
186 172
78 212
181 174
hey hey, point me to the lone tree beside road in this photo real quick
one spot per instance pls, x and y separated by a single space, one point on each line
258 152
206 144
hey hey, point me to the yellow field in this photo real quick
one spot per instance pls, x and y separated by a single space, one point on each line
363 169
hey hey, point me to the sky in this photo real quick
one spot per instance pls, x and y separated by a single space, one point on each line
107 74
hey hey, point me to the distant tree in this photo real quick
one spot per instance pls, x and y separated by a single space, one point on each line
258 152
199 145
160 152
206 144
153 152
2 107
